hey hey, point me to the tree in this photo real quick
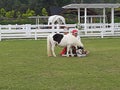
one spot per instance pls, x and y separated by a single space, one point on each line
2 12
28 13
18 14
44 12
10 14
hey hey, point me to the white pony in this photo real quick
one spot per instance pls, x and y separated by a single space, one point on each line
56 18
62 40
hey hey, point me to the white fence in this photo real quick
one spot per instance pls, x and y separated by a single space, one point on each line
41 31
30 31
101 30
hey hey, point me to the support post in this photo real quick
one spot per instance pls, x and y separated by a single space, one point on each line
78 15
0 34
104 15
85 20
36 31
112 20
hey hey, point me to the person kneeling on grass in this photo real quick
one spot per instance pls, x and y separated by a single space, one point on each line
63 52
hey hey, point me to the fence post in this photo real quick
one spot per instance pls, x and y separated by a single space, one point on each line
9 27
36 32
0 34
28 28
102 33
58 26
53 26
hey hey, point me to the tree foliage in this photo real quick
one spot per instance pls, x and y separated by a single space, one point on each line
37 5
44 12
10 14
25 8
2 12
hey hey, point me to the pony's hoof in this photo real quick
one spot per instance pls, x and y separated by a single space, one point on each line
54 55
72 55
68 56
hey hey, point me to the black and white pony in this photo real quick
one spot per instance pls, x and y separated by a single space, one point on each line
62 40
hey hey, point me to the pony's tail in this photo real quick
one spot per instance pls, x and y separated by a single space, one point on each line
49 53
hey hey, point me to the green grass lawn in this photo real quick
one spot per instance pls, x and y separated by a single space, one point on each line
24 65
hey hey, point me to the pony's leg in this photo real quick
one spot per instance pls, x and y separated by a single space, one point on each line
68 49
49 52
71 52
53 51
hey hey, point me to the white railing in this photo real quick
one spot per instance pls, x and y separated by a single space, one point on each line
30 31
100 29
37 31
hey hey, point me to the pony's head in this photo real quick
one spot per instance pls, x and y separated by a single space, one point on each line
81 51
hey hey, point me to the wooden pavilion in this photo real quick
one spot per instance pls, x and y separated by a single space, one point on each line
102 17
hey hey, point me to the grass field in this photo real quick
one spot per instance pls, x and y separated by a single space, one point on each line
24 65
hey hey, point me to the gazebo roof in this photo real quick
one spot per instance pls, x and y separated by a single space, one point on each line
105 5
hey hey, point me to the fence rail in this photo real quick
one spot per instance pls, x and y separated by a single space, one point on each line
100 29
36 31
